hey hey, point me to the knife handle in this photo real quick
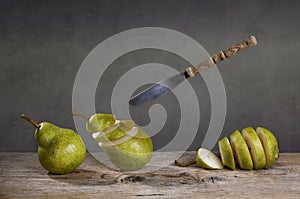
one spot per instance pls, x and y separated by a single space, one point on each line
222 55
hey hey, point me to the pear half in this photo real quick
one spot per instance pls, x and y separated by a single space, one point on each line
241 151
208 160
226 153
255 147
270 145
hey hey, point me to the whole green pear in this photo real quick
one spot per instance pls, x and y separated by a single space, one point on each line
130 155
60 150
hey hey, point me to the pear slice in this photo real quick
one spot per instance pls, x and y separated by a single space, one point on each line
124 125
226 153
255 147
270 145
208 160
241 151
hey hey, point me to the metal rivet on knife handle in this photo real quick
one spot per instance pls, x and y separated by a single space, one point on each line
222 55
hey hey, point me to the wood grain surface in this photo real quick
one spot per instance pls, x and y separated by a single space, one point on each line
21 176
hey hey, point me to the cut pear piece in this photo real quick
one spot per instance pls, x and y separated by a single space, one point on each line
255 147
270 145
241 151
208 160
226 153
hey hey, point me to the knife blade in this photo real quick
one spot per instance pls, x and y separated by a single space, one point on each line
158 89
161 88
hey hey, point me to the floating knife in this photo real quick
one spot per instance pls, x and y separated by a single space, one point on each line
161 88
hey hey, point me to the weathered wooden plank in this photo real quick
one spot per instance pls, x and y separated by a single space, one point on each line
21 176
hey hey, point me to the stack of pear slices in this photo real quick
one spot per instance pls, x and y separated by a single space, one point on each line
128 126
250 150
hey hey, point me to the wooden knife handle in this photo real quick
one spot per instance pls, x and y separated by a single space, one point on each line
222 55
233 50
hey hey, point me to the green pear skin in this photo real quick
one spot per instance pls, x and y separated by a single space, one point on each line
270 144
241 150
226 152
60 150
255 147
130 155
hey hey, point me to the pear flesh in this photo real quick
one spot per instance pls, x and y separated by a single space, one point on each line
241 151
255 147
127 147
208 160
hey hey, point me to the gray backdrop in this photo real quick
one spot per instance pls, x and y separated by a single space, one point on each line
42 45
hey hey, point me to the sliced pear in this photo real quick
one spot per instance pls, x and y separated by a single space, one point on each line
208 160
255 147
270 145
226 153
241 151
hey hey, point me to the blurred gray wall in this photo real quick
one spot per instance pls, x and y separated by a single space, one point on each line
43 43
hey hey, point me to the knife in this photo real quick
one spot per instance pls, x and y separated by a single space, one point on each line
162 87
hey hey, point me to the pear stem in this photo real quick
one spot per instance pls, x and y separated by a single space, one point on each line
36 125
80 115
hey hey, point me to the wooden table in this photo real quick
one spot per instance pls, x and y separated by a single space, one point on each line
21 176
